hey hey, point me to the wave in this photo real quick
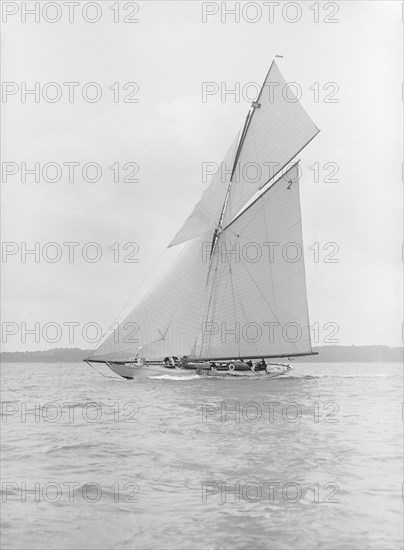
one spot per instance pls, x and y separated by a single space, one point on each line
72 447
170 377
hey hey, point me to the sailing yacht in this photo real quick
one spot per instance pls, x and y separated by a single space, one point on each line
236 292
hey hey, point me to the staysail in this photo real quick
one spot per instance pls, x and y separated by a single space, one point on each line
167 320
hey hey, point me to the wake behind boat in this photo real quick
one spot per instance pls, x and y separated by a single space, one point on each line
236 292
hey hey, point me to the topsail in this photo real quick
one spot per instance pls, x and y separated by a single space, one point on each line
276 130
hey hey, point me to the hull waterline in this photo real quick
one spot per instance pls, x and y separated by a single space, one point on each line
132 371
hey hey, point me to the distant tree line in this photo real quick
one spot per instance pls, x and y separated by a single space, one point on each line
326 354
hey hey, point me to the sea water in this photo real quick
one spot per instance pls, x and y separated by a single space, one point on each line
309 460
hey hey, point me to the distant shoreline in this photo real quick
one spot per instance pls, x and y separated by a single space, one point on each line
326 354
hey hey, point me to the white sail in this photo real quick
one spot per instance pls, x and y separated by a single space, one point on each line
167 320
248 299
206 213
255 301
278 130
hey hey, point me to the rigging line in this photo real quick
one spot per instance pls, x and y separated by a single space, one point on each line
266 301
130 348
249 118
266 78
290 160
246 318
273 185
262 205
181 301
102 341
102 374
202 314
270 263
208 296
247 124
203 308
247 222
215 296
215 260
234 303
236 157
304 269
243 136
212 260
124 350
259 290
255 151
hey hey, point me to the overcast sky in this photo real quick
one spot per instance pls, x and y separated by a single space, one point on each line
170 132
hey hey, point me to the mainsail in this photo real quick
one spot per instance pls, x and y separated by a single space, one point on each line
238 287
255 301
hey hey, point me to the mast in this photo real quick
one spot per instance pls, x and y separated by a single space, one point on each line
239 147
277 133
254 105
167 319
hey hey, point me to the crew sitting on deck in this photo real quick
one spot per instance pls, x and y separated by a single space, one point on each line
261 365
169 362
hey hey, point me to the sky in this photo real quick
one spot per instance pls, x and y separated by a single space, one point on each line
152 124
